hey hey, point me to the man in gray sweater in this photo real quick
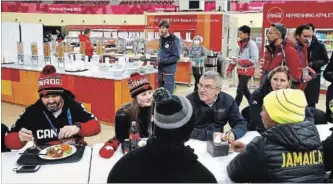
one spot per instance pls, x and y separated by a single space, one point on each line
247 55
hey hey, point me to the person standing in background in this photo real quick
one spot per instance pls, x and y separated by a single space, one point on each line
328 75
302 35
283 52
85 37
168 56
247 56
317 56
197 55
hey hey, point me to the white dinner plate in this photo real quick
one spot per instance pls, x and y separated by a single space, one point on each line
50 158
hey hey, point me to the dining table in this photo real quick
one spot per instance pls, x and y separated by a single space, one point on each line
92 168
77 172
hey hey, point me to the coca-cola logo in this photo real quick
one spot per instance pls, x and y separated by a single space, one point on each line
275 15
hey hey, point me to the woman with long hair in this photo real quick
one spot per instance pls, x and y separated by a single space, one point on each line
139 110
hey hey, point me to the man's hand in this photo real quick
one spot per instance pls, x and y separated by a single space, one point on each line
306 78
25 135
229 137
68 131
238 146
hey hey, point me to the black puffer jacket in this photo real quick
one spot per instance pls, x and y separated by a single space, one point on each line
328 152
318 57
284 153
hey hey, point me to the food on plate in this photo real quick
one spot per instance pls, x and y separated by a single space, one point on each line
59 151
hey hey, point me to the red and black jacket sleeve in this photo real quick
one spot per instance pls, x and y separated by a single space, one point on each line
12 140
89 123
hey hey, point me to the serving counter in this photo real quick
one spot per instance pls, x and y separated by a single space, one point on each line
184 69
101 93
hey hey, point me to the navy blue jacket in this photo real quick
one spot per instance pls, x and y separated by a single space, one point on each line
212 119
169 54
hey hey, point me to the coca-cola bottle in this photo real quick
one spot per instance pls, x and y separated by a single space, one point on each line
134 136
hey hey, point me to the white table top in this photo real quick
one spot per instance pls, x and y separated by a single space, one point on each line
100 167
93 72
77 172
93 166
324 130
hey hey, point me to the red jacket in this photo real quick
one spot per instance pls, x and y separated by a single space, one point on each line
273 58
247 55
86 40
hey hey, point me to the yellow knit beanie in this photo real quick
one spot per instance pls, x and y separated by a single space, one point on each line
286 105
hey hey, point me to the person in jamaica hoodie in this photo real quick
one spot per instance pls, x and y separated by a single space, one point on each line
165 158
289 150
55 116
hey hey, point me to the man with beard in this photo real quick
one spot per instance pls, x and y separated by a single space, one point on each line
168 56
281 52
55 118
317 56
214 109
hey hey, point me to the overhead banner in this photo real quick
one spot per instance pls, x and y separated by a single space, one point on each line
319 14
83 9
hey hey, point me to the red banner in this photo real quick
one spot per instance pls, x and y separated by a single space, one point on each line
83 9
259 6
319 14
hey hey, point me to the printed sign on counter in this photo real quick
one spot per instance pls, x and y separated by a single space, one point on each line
20 50
47 49
61 50
34 49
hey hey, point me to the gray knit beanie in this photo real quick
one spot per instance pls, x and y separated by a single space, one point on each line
173 117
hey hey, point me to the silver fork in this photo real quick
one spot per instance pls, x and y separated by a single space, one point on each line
35 145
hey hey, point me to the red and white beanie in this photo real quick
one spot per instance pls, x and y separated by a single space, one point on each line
49 81
138 84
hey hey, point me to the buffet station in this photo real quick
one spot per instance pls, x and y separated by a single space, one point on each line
101 86
100 81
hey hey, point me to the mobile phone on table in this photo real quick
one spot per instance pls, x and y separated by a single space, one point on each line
27 169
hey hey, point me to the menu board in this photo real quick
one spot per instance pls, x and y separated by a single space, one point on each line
82 48
34 49
47 50
20 50
61 50
99 49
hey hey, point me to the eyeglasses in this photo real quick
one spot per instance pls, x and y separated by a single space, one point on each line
206 88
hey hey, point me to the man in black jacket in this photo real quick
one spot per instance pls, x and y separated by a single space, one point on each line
328 75
165 158
317 57
289 150
214 109
55 117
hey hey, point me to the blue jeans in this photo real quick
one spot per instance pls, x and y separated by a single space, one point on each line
166 80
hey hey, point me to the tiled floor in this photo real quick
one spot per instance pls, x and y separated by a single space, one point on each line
9 112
